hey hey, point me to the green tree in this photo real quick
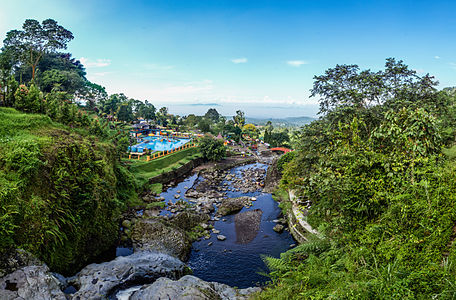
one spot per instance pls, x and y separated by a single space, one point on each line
11 86
34 99
212 114
35 40
113 102
346 85
146 110
93 94
204 125
239 119
250 130
125 113
20 98
67 81
6 74
212 149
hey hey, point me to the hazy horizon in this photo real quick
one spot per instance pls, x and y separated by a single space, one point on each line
251 111
257 56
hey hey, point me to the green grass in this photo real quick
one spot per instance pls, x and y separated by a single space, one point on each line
144 170
61 190
160 204
156 188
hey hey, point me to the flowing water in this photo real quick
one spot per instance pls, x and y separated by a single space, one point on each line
249 234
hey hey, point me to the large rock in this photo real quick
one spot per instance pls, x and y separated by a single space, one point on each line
15 259
98 281
247 225
232 205
30 283
279 228
190 288
156 236
187 220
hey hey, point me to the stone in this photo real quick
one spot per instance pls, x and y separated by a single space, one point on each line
247 225
278 228
155 235
221 237
31 282
191 288
209 244
15 259
232 205
187 220
99 281
126 224
215 231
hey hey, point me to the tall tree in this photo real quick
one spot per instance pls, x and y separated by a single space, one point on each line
347 86
239 119
212 114
125 113
35 40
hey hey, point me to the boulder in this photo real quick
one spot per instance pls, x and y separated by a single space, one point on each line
232 205
154 235
190 288
247 225
187 220
221 237
30 283
15 259
99 281
278 228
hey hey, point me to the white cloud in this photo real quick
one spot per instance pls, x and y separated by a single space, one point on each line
453 65
437 57
98 63
241 60
296 63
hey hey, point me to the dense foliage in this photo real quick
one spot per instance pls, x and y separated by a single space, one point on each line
378 189
62 185
61 191
212 149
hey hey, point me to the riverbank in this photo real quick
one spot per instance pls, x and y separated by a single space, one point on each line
217 221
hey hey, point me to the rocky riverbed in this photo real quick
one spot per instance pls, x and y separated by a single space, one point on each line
219 222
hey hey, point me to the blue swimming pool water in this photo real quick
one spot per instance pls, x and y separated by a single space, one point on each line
156 143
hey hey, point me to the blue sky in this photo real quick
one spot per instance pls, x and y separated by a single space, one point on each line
259 56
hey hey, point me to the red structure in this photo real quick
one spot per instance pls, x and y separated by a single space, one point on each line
284 150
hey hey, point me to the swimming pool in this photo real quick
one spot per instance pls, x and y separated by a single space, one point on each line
157 143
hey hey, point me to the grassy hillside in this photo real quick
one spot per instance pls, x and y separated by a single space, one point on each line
143 170
61 190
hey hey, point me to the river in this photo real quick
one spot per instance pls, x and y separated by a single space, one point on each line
237 261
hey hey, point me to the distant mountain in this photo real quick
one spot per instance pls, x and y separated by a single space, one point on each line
281 122
204 104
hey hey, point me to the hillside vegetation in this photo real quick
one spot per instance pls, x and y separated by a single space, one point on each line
61 190
378 187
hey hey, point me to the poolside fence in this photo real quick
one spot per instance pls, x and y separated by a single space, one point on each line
137 156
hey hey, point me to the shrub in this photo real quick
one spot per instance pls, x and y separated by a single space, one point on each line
212 149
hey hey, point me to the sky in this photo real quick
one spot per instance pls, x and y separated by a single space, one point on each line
257 56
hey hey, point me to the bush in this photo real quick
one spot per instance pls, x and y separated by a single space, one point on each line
212 149
284 159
